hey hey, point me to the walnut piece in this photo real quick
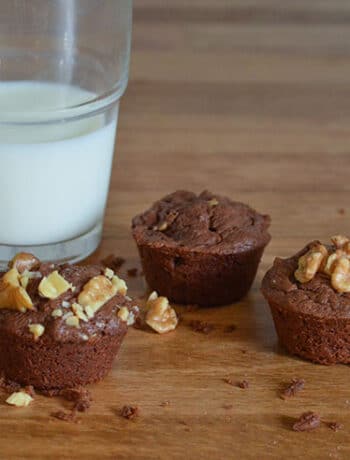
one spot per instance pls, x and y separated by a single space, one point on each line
213 202
19 399
98 291
37 330
340 241
310 263
24 261
53 286
73 321
12 294
123 314
340 278
160 316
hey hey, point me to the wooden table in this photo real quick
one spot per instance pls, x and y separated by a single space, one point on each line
251 99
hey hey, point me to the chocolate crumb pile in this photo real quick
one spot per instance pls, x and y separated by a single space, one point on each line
114 262
81 397
201 326
294 387
308 421
130 412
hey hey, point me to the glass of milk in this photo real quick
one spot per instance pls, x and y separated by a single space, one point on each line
63 69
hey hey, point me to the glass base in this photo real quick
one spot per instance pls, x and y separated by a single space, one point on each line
69 251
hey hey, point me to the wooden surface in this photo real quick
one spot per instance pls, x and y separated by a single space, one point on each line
251 99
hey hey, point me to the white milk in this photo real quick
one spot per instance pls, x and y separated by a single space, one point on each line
54 177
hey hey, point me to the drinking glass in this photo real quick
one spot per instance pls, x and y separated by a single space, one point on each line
63 70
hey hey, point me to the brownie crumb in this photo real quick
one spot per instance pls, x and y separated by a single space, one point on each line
190 308
51 393
294 387
201 326
113 262
335 426
65 416
132 272
227 406
80 396
341 211
230 328
308 421
30 390
165 403
130 412
243 384
229 381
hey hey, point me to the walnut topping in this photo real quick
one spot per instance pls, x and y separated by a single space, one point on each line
96 292
37 330
79 312
73 321
12 294
119 285
109 273
213 202
24 261
53 286
160 316
310 263
162 227
336 265
340 278
123 314
19 399
57 313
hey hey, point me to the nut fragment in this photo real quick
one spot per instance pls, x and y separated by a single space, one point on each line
339 241
12 294
123 314
120 285
19 399
73 321
213 202
37 330
53 286
310 263
340 278
162 227
96 292
109 273
79 312
24 261
57 313
160 316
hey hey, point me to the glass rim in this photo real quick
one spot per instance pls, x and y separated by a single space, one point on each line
90 107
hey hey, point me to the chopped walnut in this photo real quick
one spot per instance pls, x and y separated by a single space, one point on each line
24 261
162 227
12 294
57 313
79 312
160 316
340 241
53 286
340 278
19 399
123 314
37 330
73 321
98 291
213 202
109 273
310 263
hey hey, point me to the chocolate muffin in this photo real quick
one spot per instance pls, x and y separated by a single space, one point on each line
200 249
309 297
60 326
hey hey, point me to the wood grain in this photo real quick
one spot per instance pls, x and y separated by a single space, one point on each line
250 99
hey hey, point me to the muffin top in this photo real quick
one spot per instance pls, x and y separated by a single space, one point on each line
315 281
205 222
62 303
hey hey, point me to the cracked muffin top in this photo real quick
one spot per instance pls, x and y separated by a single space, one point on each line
204 222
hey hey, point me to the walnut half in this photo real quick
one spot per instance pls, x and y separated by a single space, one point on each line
340 278
310 263
160 316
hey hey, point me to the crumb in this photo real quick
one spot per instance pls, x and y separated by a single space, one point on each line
243 384
335 426
228 381
230 328
201 326
80 396
244 351
132 272
113 262
227 406
341 211
51 393
65 416
294 387
165 403
30 391
307 421
130 412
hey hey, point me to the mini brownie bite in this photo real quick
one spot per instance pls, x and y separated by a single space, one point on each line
60 326
202 249
309 297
